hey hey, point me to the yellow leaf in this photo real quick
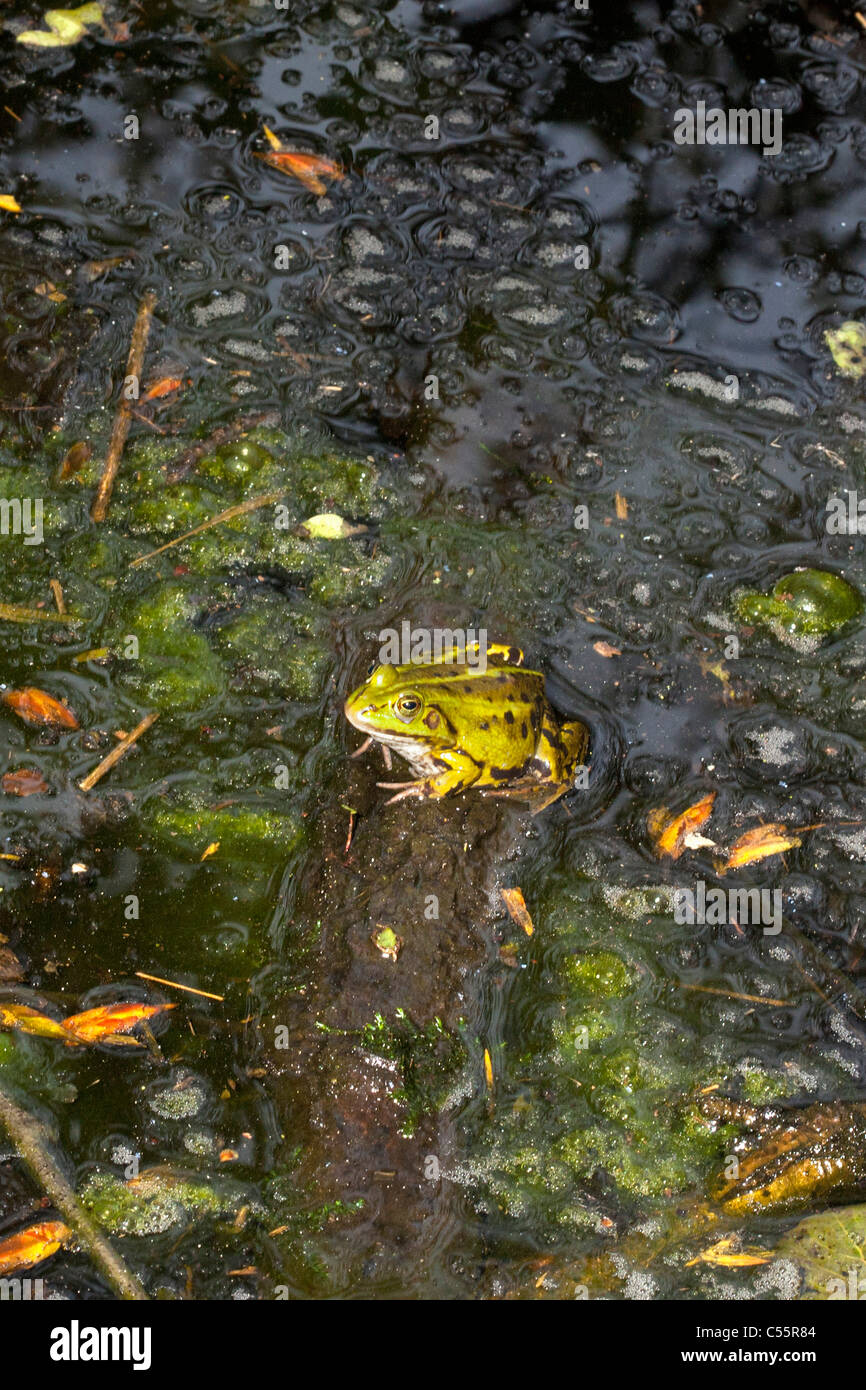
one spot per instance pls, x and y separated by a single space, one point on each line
724 1253
328 526
210 851
669 832
8 203
848 346
517 909
488 1070
28 1020
67 27
760 843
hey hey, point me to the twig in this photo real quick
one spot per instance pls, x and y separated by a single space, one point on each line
17 613
242 507
29 1137
123 418
117 753
730 994
57 590
174 985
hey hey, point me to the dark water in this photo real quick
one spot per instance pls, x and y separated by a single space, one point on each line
448 260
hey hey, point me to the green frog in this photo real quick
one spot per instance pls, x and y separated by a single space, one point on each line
460 726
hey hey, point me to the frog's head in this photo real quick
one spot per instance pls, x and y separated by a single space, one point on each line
392 707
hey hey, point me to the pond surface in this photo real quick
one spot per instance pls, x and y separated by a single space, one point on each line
571 380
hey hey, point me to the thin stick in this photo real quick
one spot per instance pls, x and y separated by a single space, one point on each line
242 507
729 994
117 753
157 980
57 590
17 613
29 1137
123 418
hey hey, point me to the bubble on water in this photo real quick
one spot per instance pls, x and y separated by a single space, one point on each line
699 381
742 304
555 253
351 18
536 315
779 405
200 1143
220 307
361 243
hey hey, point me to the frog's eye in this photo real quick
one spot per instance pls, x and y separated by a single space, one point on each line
407 706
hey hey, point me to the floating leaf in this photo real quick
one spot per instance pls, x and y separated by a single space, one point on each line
106 1021
11 971
328 526
48 290
34 706
32 1245
830 1250
74 459
163 387
760 843
669 832
488 1070
517 909
726 1254
8 203
210 851
605 649
27 781
621 505
308 169
65 27
848 346
28 1020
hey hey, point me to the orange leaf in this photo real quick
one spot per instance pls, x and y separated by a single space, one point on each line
517 909
29 1020
306 168
760 843
24 782
605 649
163 387
621 506
669 832
35 707
32 1245
96 1025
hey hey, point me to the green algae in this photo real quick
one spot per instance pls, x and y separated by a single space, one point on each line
806 603
241 833
175 666
158 1200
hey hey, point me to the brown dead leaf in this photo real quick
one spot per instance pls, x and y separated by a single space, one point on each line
621 506
25 782
669 832
517 909
605 649
32 1245
74 459
34 706
11 972
760 843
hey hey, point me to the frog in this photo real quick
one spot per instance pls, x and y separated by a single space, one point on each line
460 723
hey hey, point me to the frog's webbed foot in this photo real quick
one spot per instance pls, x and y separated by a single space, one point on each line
403 790
539 795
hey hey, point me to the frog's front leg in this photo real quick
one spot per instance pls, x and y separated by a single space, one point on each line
460 771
